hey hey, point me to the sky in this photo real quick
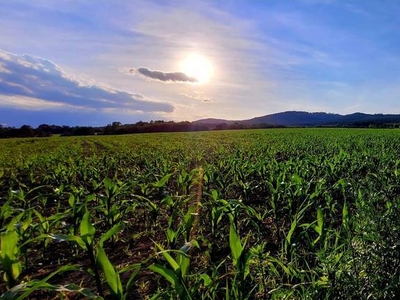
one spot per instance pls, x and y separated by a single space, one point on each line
94 62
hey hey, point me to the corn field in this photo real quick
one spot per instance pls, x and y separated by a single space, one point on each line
252 214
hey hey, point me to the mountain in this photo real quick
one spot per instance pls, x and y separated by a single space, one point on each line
369 118
295 118
211 121
301 118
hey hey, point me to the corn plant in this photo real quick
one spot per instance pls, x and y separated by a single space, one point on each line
10 262
241 262
176 270
96 254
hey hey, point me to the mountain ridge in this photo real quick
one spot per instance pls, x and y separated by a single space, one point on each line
303 118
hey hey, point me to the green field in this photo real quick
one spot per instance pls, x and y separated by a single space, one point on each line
253 214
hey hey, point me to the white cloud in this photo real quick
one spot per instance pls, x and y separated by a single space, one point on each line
27 77
30 103
3 69
198 96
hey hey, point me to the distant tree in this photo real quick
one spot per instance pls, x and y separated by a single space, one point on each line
3 131
26 131
83 130
43 130
116 125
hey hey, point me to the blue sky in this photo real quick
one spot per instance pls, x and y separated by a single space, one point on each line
95 62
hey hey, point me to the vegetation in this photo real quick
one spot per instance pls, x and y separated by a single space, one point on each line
115 128
254 214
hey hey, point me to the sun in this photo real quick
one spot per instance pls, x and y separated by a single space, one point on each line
197 66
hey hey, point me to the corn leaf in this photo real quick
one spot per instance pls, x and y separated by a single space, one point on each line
9 256
162 181
113 231
87 229
112 277
168 257
167 274
69 238
235 244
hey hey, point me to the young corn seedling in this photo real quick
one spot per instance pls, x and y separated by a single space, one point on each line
176 272
6 211
25 289
178 276
110 203
10 257
75 212
96 254
241 262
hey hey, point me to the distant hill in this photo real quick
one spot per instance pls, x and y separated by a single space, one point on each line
301 118
368 118
295 118
211 121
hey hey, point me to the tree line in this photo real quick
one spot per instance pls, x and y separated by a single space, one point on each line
46 130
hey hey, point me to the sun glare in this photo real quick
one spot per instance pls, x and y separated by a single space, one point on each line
197 66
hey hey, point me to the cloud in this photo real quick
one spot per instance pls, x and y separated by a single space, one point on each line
198 96
27 81
164 76
34 104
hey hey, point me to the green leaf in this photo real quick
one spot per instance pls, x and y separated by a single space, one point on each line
320 222
29 287
111 187
27 222
214 195
345 215
9 256
206 279
69 238
74 288
235 244
71 200
281 264
297 179
171 235
168 257
136 269
87 229
14 221
189 217
167 274
162 181
112 277
184 263
108 183
291 231
113 231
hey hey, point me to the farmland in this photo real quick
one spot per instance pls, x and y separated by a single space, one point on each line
252 214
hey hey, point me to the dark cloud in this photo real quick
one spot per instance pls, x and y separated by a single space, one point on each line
164 76
27 81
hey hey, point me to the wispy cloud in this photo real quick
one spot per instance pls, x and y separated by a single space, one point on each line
167 77
29 77
198 96
34 104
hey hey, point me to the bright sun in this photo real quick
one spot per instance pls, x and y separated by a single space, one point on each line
197 66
